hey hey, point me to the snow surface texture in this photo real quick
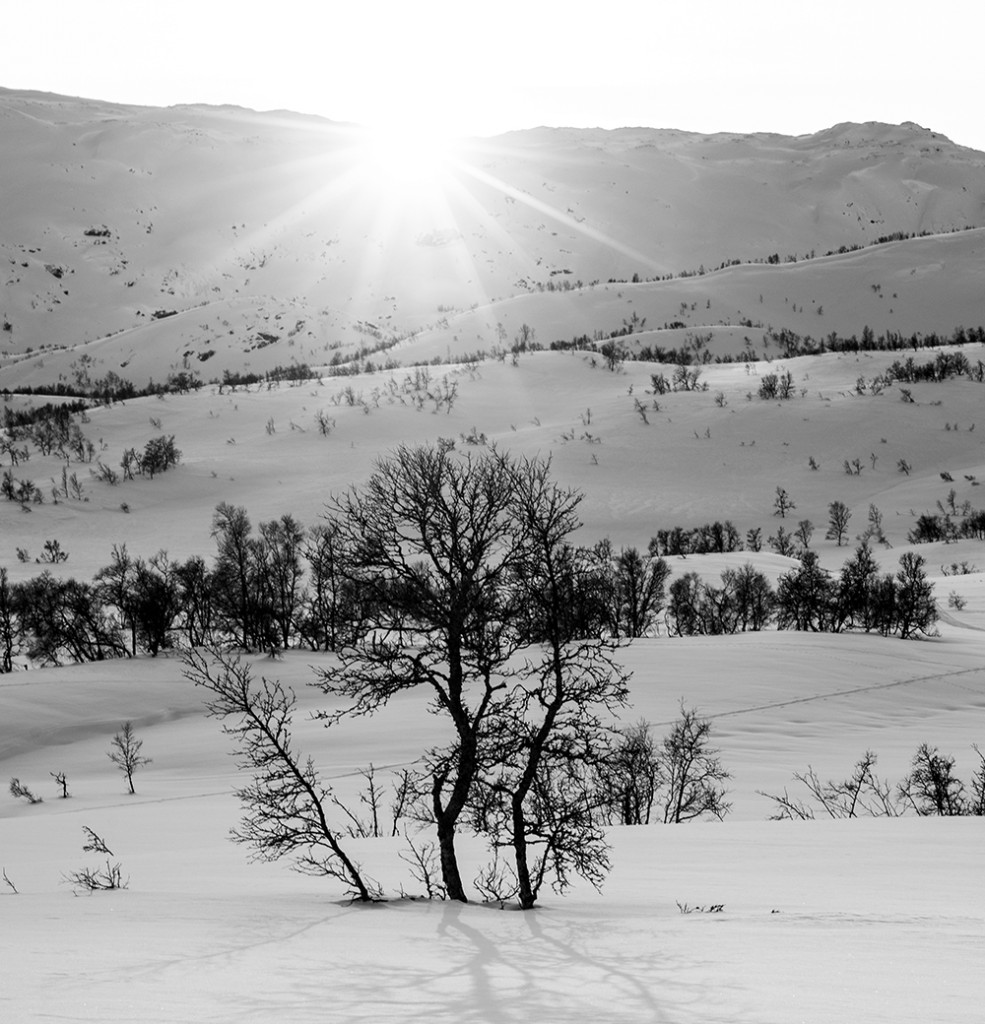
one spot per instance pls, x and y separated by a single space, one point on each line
824 921
874 920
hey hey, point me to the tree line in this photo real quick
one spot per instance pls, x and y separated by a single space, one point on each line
286 585
808 598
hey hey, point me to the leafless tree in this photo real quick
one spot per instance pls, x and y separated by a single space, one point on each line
284 803
629 779
783 503
434 544
466 562
693 771
931 787
126 752
838 516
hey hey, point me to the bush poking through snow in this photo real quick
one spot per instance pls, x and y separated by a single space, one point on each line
101 879
931 789
105 878
19 790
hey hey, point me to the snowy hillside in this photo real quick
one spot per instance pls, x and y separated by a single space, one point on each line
144 242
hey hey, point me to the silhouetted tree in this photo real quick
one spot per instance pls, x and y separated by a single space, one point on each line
548 737
157 601
197 600
126 753
335 610
159 455
285 801
435 543
279 551
240 578
693 771
629 778
751 597
806 597
931 786
915 607
838 516
116 586
64 620
639 590
9 626
783 503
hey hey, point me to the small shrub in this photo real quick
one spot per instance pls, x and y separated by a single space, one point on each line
52 553
19 790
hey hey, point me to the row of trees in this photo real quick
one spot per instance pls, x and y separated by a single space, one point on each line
282 585
286 585
808 598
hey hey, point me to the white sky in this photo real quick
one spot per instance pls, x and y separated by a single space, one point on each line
458 66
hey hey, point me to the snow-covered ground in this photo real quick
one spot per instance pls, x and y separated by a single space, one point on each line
821 921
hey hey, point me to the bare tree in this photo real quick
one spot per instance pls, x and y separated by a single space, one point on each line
629 779
281 542
804 532
475 595
9 625
693 771
547 739
914 607
838 516
639 587
156 601
335 612
931 787
284 802
806 597
117 587
783 503
435 543
126 752
236 584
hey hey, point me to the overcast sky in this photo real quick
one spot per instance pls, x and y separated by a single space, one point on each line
468 68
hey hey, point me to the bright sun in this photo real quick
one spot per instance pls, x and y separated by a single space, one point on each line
404 163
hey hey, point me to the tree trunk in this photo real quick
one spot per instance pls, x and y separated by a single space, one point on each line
450 874
525 893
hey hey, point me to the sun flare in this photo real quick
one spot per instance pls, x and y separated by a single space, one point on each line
404 162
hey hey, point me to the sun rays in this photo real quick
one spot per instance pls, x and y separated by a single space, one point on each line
399 226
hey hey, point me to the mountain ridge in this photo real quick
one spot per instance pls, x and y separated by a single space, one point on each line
119 216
